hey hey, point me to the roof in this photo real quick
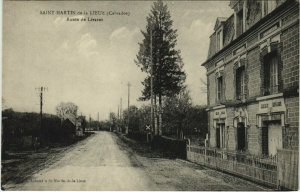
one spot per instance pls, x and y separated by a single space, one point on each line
212 53
71 117
219 21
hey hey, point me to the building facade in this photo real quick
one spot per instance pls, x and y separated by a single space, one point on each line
253 78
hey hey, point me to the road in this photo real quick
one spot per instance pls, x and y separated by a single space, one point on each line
101 163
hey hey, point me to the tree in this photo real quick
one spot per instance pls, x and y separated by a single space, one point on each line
113 121
168 75
176 109
66 108
133 118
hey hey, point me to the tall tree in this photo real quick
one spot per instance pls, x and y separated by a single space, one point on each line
168 75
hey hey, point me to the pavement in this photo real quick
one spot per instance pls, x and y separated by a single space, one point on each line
104 162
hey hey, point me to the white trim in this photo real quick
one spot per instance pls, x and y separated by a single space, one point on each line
269 97
219 107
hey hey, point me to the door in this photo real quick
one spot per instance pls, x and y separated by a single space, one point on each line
241 133
218 137
274 137
265 140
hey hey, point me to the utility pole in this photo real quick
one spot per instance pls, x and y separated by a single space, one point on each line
41 90
128 84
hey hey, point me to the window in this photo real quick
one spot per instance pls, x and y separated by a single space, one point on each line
219 40
239 23
220 135
240 83
271 74
220 88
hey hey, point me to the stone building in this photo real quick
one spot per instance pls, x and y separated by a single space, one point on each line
253 78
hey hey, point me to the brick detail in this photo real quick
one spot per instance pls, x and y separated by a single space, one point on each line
254 141
212 89
229 81
231 144
253 70
290 57
292 133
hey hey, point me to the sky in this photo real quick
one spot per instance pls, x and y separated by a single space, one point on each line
90 63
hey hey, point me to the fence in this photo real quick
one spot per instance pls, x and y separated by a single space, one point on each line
288 168
256 168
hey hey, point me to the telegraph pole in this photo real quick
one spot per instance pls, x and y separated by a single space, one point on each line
128 84
41 90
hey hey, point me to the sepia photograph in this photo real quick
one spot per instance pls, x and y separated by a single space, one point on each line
153 95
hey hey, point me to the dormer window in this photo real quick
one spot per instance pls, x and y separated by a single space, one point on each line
219 41
239 23
219 32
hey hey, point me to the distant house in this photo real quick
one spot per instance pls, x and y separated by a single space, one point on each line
69 126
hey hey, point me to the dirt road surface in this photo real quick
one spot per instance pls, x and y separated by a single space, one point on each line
102 163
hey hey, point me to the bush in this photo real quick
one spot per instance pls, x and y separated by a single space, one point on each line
173 147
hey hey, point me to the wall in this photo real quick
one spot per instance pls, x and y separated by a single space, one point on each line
229 81
254 133
253 71
212 130
231 131
292 131
212 89
290 57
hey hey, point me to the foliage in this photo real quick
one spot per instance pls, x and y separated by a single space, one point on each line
181 118
66 108
138 118
168 74
17 126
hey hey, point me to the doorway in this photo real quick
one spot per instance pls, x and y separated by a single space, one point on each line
241 136
274 137
271 138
